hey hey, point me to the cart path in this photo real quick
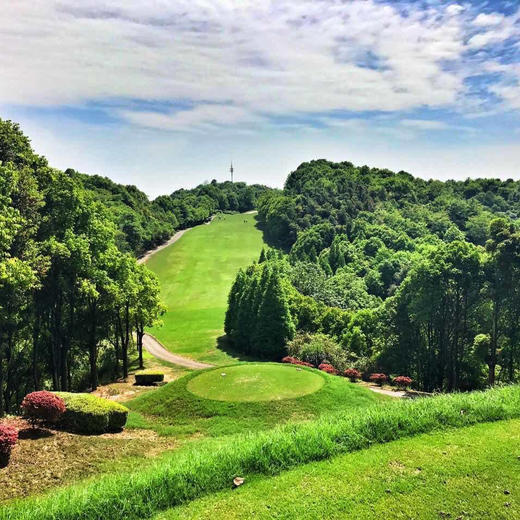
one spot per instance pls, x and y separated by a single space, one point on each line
155 348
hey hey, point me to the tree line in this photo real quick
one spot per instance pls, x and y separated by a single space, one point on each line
407 276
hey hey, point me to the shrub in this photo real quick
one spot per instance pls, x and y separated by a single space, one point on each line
352 374
316 349
87 413
378 379
328 368
304 364
289 359
43 406
8 438
402 381
147 377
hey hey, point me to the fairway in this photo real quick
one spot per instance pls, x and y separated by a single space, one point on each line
255 382
196 274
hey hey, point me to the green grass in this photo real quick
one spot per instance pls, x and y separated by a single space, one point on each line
195 472
255 382
174 410
464 473
196 274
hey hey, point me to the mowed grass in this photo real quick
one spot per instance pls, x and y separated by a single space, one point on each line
175 410
470 473
256 382
196 274
205 468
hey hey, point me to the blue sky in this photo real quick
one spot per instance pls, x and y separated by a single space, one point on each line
163 94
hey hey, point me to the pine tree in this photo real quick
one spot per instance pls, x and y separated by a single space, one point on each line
231 321
274 323
262 258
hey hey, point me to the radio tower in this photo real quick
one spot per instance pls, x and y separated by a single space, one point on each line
231 171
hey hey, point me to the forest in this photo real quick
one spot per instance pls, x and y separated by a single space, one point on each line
73 299
386 272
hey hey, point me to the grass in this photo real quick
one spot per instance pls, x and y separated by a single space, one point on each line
465 473
174 410
255 382
193 473
196 274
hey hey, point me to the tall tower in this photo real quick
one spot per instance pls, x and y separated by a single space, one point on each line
231 171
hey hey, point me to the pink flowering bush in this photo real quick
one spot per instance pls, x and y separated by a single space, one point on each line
295 361
328 368
379 379
43 406
352 374
8 438
403 381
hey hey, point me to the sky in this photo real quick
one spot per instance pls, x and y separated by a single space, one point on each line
163 94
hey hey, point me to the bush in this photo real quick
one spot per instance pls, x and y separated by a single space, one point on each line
8 438
328 368
296 361
43 406
379 379
147 377
352 374
316 349
87 413
200 470
403 381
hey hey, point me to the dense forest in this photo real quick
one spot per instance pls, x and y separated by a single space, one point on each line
382 271
73 299
143 224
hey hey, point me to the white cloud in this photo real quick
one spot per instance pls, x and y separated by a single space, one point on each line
261 56
424 124
486 20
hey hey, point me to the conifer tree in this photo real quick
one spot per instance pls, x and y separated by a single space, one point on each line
231 321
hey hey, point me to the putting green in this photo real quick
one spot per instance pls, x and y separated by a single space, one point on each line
255 382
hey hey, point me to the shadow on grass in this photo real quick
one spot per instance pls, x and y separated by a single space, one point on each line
225 344
35 433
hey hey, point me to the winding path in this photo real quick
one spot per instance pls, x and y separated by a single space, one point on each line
155 348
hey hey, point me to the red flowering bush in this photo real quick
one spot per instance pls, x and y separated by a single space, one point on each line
352 374
403 381
8 438
43 406
327 368
379 379
296 361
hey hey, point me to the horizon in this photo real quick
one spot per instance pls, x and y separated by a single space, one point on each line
163 96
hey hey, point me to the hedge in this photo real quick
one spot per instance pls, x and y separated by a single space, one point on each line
147 377
87 413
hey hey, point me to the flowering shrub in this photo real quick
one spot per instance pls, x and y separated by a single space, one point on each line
328 368
378 379
352 374
43 406
8 438
295 361
403 381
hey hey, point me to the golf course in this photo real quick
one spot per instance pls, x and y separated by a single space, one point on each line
195 275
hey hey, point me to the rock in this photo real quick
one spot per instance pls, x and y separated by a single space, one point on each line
507 492
237 481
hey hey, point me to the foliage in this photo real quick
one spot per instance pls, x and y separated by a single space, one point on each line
402 381
352 374
44 406
8 438
87 413
330 369
148 377
201 470
378 378
316 349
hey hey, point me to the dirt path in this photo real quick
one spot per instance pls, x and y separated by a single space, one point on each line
173 239
154 347
391 393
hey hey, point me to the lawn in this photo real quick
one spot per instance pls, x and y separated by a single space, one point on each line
196 274
176 409
255 382
469 473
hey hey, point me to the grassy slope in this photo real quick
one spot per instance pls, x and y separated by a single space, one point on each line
463 473
174 410
196 274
